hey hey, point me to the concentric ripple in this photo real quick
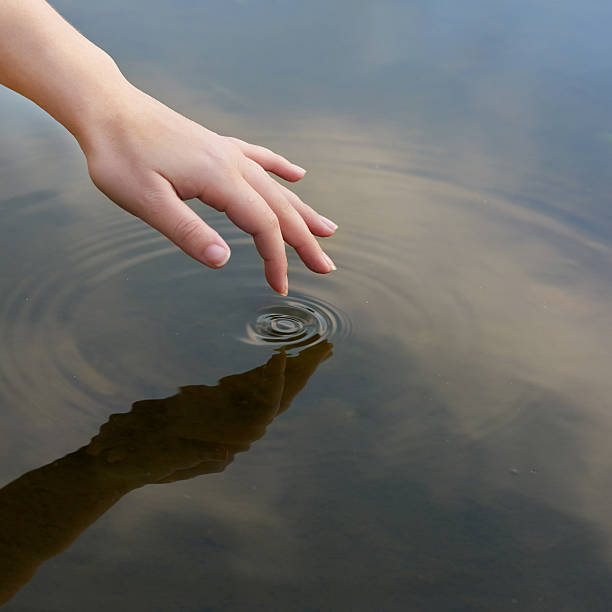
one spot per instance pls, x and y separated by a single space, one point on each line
53 319
296 323
118 313
122 313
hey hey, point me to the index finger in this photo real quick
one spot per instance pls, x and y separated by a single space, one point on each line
250 212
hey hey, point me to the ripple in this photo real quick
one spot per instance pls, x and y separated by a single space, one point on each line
296 323
120 309
49 319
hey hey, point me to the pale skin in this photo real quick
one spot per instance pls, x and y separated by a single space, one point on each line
149 159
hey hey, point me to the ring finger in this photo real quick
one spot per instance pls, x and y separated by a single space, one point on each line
293 227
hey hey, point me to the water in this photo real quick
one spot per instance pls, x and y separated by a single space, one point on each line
426 428
295 324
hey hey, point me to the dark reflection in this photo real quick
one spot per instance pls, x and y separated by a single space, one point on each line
197 431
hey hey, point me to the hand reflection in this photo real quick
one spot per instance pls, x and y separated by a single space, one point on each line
197 431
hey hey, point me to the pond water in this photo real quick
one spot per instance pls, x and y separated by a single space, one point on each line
436 434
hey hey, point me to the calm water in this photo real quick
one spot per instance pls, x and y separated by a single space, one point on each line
437 435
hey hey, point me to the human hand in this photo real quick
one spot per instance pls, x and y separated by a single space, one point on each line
148 158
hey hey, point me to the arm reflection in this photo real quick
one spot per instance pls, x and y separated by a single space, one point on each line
197 431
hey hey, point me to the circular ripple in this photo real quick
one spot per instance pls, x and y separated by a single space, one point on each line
121 313
119 310
296 323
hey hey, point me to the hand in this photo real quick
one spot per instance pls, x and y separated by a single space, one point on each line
148 159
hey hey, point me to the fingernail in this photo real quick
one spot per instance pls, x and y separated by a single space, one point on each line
217 255
285 291
328 259
298 168
332 226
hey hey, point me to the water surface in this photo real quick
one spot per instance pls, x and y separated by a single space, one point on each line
435 435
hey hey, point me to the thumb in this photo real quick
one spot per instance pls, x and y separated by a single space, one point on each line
168 214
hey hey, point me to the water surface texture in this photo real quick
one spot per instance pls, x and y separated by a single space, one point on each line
426 428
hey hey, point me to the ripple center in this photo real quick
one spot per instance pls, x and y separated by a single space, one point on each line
294 323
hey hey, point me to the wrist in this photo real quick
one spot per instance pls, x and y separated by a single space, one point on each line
98 104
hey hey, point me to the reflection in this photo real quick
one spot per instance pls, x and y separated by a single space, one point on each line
197 431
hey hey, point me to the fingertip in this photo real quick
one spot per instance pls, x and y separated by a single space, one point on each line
277 281
321 231
328 223
283 287
298 171
330 263
216 255
317 224
291 172
321 226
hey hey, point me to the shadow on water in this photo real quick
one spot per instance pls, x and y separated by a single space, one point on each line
197 431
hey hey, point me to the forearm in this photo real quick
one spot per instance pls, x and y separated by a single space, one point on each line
45 59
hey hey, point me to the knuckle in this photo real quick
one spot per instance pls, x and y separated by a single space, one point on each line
296 204
233 177
283 207
302 247
267 154
271 222
223 158
255 166
291 197
152 201
185 230
234 141
304 241
222 161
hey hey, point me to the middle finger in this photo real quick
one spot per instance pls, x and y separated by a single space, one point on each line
294 229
